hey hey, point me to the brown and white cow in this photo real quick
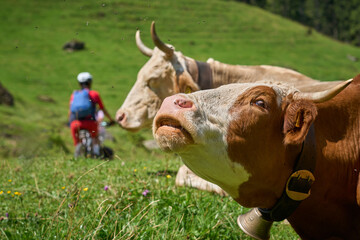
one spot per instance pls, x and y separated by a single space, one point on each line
169 72
246 139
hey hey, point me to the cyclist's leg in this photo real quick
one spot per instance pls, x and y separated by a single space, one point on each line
92 127
75 127
96 147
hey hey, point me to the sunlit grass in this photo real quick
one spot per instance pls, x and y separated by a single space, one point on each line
66 198
33 63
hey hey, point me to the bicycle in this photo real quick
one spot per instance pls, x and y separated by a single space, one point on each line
86 146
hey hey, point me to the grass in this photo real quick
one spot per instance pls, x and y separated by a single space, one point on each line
69 201
35 144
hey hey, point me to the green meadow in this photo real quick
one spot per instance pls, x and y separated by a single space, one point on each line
47 194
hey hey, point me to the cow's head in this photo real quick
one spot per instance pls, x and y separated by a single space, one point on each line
242 137
163 75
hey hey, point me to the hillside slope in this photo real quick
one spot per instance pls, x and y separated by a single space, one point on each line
33 64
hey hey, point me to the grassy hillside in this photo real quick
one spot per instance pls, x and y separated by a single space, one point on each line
35 144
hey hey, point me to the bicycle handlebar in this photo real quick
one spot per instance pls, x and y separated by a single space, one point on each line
107 124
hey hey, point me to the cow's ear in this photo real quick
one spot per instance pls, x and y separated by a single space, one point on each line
299 116
186 83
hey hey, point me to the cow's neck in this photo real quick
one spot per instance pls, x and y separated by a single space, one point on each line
299 183
338 133
226 73
334 193
212 74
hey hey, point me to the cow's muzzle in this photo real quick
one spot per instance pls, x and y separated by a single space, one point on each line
170 127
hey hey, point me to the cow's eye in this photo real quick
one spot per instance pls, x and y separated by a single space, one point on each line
260 103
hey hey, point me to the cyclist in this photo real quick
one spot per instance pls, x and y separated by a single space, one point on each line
83 105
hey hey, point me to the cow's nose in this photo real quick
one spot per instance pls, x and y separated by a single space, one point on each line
183 103
120 116
176 103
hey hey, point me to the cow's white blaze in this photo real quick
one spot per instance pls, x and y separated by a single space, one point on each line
208 158
214 165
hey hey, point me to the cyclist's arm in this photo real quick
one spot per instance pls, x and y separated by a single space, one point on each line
107 115
97 97
71 99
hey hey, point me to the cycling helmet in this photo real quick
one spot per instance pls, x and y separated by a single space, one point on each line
84 77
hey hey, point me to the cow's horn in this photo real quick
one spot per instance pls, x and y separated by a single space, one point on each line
141 46
162 46
319 97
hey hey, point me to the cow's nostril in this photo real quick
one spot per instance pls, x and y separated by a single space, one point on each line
183 103
120 117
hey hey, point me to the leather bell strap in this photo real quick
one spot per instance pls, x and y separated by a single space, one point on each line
201 73
205 80
299 183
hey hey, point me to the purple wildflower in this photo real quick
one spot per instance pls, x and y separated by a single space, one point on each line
145 192
106 188
7 215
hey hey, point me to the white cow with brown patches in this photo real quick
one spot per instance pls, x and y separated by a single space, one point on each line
169 72
268 145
